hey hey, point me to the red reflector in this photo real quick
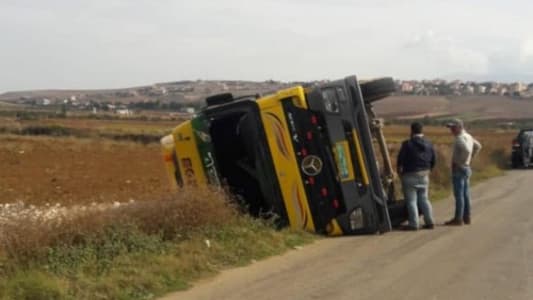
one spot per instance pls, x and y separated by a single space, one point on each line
311 180
309 135
324 192
336 203
314 120
304 152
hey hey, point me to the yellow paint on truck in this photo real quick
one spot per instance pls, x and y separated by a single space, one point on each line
284 158
360 158
188 157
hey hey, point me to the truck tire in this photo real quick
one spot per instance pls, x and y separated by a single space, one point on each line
377 89
219 99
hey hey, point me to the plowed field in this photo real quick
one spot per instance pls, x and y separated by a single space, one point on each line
40 170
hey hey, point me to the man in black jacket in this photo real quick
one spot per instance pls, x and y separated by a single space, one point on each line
415 161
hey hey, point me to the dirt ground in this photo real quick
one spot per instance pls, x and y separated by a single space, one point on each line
40 170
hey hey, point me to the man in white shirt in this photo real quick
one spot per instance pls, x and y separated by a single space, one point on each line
465 148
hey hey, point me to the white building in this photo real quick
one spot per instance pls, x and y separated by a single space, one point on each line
518 87
124 112
189 110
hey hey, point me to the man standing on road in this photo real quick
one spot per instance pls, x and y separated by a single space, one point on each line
415 161
464 149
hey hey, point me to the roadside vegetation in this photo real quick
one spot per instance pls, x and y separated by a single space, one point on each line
136 251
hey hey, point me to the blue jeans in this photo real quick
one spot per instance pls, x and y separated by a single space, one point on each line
461 192
415 190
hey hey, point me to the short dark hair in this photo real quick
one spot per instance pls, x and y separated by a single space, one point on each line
416 128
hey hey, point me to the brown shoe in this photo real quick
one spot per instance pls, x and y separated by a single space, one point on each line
454 222
467 220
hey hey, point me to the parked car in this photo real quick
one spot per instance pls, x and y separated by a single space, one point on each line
522 155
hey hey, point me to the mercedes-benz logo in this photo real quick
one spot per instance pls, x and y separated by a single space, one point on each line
312 165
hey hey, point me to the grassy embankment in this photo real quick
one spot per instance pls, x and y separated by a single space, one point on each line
137 251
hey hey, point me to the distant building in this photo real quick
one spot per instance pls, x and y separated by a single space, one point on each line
407 87
518 87
503 91
124 112
189 110
481 89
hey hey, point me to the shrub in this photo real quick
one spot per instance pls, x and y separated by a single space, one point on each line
95 234
52 130
32 285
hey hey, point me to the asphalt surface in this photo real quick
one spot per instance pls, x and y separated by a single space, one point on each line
490 259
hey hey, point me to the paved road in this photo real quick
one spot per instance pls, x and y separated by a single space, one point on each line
491 259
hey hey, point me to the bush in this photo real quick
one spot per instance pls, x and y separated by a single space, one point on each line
133 251
32 286
100 235
52 130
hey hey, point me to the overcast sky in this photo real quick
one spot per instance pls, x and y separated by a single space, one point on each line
121 43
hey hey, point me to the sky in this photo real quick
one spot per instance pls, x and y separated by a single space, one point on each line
74 44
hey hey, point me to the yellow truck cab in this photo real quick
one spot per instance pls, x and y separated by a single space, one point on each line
303 154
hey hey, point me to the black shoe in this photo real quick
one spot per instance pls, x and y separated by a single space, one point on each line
408 228
467 221
429 226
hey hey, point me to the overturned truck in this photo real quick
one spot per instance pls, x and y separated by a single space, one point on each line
305 154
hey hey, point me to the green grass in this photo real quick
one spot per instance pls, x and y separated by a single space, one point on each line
142 273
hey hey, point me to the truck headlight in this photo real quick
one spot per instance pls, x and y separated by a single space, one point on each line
356 219
332 105
331 102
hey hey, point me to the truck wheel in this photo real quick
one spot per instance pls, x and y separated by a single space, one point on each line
377 89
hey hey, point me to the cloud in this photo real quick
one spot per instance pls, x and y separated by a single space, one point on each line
114 43
433 54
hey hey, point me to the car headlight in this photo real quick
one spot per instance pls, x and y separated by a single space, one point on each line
356 219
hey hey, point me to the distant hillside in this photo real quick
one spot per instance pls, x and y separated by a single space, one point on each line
468 107
180 91
189 92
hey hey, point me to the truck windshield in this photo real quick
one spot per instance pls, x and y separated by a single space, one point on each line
243 159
